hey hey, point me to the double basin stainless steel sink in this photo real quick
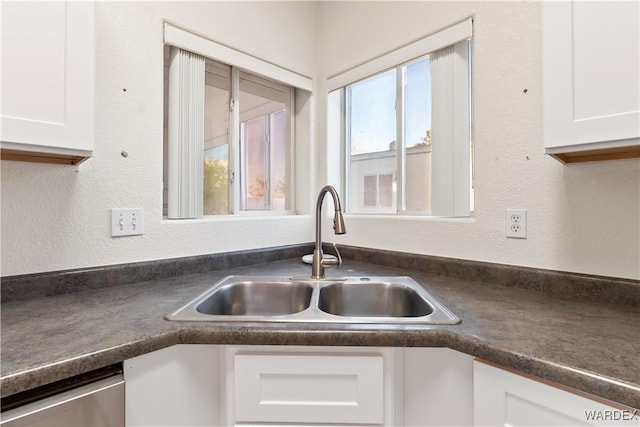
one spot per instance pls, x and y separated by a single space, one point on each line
384 299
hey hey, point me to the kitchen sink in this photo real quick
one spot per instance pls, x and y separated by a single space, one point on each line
382 299
378 299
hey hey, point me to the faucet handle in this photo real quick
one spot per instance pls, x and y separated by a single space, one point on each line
333 262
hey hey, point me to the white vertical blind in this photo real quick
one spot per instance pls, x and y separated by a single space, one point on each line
450 131
186 134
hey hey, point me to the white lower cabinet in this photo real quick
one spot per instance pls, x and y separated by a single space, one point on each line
208 385
503 398
175 386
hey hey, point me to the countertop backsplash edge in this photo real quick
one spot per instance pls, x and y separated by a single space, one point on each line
29 286
610 290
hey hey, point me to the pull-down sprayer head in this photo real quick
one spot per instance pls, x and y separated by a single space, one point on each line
338 223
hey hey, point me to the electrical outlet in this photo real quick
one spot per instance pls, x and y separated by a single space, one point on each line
517 223
127 222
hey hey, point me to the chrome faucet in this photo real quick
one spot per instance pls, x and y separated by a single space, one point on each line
318 264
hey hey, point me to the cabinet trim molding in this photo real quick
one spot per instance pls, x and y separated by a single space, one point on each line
594 155
45 157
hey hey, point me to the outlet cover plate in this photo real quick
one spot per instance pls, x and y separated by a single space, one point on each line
516 223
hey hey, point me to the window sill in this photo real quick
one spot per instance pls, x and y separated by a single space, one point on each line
244 216
408 217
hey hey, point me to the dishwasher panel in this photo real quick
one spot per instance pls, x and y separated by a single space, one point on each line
98 404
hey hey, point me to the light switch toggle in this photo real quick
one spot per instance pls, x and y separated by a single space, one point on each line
127 222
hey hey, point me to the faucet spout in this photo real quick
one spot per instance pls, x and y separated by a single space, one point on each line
318 264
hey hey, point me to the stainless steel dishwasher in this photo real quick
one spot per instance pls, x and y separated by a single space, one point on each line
97 402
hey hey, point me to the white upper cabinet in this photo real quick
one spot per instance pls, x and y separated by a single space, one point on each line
48 78
591 75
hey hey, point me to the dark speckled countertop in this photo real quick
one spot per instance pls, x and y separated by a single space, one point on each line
580 343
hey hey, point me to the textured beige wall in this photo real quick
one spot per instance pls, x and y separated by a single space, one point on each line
57 217
581 218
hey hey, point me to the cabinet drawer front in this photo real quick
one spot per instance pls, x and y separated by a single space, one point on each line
309 388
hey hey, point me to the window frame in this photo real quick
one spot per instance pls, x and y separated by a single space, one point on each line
461 32
260 69
236 173
269 161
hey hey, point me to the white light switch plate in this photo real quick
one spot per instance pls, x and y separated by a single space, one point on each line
127 222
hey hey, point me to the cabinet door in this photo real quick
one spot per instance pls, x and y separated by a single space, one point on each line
503 398
591 75
322 386
175 386
48 76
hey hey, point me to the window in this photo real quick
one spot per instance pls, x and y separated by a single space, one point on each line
406 134
241 132
228 131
